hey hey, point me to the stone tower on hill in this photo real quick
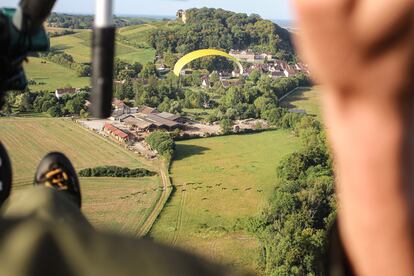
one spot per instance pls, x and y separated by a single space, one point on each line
182 14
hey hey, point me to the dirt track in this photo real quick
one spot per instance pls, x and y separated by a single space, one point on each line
166 191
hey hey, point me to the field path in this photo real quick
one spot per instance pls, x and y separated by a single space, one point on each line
179 218
166 192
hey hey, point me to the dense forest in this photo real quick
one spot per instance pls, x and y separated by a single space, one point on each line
220 29
61 20
293 228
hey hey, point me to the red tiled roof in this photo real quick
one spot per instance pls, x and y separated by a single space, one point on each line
116 131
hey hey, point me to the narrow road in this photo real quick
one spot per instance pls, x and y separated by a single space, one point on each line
166 191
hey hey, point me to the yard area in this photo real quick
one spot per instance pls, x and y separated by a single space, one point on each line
219 182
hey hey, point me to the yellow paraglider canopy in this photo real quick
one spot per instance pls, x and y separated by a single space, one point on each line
203 53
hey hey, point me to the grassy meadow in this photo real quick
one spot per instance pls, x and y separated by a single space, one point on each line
306 99
218 182
51 76
110 203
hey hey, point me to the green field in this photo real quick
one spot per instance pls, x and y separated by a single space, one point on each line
306 99
219 180
79 46
138 32
52 75
119 206
110 203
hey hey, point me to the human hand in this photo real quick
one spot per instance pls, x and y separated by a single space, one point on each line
362 54
359 46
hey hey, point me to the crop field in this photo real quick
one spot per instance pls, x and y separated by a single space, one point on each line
121 206
306 99
110 203
51 76
220 181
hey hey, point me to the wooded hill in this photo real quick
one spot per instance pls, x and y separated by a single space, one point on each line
221 29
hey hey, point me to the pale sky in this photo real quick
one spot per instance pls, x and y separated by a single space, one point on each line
269 9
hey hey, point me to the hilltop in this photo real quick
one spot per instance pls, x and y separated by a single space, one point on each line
221 29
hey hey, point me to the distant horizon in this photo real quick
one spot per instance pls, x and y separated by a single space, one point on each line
268 9
279 21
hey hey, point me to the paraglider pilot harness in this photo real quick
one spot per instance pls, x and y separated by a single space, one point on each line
21 32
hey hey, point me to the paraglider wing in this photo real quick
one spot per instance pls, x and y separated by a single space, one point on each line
203 53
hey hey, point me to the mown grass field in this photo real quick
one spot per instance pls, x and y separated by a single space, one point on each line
52 75
110 203
306 99
218 181
122 206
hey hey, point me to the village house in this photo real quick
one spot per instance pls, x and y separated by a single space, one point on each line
117 104
60 92
245 55
230 83
250 56
224 75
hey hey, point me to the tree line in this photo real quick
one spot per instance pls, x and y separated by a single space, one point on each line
61 20
115 171
292 229
46 102
66 60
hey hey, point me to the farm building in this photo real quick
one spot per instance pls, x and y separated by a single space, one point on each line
169 116
140 124
147 119
147 110
116 133
161 122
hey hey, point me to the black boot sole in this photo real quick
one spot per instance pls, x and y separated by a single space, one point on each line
5 175
55 160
